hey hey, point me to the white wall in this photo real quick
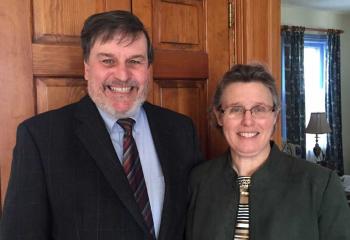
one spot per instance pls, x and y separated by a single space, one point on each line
299 16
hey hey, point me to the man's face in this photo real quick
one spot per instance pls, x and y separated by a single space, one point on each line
117 72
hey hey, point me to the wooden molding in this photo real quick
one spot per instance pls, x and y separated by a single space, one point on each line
174 64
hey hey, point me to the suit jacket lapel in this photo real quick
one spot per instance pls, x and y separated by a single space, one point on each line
163 138
94 136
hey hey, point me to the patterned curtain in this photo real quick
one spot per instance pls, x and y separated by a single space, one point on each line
334 152
294 91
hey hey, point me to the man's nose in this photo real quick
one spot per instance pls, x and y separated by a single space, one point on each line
121 72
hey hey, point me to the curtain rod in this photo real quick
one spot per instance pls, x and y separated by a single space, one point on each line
314 29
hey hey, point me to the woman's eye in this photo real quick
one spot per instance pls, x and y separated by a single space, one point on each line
236 109
259 109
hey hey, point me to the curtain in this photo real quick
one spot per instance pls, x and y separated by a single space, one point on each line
293 103
334 152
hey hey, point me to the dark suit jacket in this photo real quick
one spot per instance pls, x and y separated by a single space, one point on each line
67 182
289 199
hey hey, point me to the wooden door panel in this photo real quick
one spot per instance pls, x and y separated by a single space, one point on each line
187 97
61 20
179 24
118 4
170 64
53 93
57 60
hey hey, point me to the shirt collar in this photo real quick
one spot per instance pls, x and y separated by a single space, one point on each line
110 121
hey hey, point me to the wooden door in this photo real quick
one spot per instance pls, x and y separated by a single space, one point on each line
41 65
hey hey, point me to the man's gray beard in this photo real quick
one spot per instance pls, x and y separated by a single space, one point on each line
118 115
111 111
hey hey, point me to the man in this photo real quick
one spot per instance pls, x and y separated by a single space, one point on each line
70 178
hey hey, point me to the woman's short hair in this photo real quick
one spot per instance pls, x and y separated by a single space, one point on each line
246 73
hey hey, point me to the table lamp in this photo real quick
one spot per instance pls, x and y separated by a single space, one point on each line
318 125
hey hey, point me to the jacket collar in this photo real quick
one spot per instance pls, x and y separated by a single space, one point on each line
265 173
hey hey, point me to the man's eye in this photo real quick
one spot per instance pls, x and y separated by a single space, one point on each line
108 61
133 61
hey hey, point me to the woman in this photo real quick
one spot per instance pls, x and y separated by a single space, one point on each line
254 191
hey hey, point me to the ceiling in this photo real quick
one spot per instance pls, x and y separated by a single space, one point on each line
333 5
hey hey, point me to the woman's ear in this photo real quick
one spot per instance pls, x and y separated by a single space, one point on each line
277 116
218 116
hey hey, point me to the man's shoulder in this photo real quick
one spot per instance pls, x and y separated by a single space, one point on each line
61 115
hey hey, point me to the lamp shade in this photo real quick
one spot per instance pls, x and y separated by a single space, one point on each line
318 124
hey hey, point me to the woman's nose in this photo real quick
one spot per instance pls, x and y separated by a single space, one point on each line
247 117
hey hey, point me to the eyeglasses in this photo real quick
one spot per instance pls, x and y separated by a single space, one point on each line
237 112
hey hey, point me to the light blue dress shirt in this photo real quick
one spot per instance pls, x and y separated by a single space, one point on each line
151 168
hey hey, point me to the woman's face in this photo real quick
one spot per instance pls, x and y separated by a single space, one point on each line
247 135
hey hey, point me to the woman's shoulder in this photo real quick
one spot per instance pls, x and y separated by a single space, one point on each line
302 166
297 168
288 164
210 169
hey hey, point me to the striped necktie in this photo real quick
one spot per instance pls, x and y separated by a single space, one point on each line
133 170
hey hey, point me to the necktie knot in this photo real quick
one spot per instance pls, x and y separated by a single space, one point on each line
126 124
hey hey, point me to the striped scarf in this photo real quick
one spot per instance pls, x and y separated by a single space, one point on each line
242 221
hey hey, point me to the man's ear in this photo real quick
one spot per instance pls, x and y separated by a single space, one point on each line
86 70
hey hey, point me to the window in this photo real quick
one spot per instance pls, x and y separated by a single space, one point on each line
311 83
314 65
315 77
